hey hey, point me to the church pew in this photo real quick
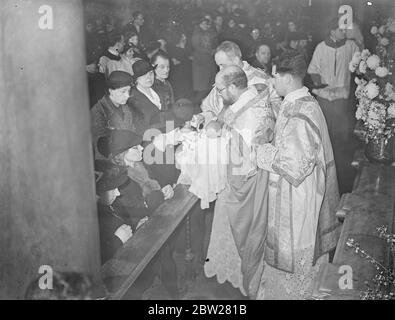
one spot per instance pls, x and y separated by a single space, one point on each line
119 273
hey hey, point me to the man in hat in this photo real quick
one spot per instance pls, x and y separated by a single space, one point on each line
111 111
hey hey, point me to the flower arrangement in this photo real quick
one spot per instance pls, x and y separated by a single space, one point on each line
375 91
383 287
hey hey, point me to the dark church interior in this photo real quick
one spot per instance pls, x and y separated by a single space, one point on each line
92 91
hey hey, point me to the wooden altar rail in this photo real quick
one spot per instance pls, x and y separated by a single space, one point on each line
370 205
119 273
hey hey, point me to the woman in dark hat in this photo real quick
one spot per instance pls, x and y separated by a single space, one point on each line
143 96
140 197
114 227
146 101
112 111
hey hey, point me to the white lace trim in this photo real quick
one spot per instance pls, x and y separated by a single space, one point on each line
224 261
280 285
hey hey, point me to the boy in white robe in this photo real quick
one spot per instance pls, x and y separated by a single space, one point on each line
329 66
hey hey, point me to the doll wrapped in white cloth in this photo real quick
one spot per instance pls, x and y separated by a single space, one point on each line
202 159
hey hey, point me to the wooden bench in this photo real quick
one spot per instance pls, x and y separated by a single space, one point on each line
119 273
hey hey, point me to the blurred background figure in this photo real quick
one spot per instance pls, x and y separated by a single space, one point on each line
181 71
116 44
125 63
203 64
254 39
262 58
161 62
219 26
132 40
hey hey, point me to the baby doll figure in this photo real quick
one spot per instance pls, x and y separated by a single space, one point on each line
214 129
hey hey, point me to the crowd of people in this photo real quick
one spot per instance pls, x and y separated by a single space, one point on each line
293 100
188 33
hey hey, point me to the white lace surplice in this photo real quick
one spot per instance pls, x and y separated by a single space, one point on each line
223 259
281 285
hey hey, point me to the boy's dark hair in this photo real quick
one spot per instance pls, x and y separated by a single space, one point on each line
293 63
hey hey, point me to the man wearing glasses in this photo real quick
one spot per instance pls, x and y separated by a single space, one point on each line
235 252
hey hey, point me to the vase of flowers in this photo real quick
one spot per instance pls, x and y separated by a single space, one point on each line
380 149
375 75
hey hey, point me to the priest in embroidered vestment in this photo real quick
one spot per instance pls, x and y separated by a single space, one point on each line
303 190
238 234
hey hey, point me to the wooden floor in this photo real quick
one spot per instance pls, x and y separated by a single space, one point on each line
201 288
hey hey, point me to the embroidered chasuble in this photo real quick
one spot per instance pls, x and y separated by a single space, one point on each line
238 234
303 195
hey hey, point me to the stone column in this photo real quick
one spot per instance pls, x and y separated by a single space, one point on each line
47 198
